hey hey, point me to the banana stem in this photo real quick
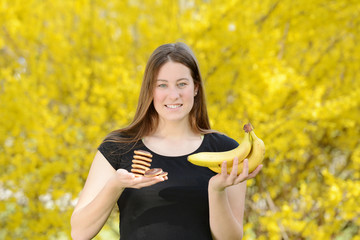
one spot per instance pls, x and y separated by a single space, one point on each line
248 127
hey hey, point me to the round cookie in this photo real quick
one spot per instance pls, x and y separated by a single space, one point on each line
143 153
138 157
137 170
144 163
153 172
139 166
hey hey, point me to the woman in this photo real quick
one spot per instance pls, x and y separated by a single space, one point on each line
171 122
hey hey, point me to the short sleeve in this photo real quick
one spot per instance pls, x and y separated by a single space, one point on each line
219 142
112 153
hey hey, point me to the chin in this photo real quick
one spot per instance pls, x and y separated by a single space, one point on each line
174 118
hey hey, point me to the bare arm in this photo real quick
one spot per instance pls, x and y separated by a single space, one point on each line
102 189
227 202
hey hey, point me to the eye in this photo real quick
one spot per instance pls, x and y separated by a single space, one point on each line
182 84
162 85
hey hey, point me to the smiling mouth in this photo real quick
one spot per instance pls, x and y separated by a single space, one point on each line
173 106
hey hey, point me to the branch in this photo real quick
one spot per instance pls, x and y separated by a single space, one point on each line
327 50
90 55
274 209
261 20
282 41
294 178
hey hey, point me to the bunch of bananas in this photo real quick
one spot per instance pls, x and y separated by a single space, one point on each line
251 147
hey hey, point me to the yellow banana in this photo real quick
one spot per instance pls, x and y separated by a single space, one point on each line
214 159
255 157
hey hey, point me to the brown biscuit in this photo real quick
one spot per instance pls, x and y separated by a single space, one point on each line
144 163
137 170
142 158
143 153
138 166
153 172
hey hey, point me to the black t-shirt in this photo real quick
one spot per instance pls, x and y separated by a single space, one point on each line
175 209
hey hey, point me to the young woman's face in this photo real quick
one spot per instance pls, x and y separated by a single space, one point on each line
174 92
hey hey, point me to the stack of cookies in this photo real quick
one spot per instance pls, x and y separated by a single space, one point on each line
141 162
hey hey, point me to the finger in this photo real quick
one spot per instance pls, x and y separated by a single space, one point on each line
224 168
234 170
155 179
245 170
255 172
146 181
124 173
233 174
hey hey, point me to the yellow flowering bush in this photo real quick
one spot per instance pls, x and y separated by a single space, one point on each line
70 72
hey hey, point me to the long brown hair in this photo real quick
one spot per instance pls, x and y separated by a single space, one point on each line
146 118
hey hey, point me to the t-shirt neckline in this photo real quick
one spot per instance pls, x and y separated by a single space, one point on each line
179 156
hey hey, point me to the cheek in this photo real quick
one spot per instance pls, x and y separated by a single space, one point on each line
189 95
157 98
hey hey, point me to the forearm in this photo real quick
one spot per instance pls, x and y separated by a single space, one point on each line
223 223
87 221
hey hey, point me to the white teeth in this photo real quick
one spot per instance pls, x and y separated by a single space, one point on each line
173 106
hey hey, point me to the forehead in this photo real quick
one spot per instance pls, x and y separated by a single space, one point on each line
173 70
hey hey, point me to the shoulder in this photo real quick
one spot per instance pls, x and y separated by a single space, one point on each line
115 149
108 146
218 141
115 142
116 146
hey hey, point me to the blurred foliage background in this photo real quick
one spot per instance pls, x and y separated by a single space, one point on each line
70 72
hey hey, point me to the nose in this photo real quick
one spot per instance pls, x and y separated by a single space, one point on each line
174 93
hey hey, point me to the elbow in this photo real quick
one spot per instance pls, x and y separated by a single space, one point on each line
235 235
76 232
241 235
81 234
82 230
74 235
77 235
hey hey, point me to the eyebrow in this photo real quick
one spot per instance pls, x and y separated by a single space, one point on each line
180 79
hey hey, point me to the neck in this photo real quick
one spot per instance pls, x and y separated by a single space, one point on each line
174 129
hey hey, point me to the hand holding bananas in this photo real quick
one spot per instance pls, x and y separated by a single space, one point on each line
251 148
223 180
